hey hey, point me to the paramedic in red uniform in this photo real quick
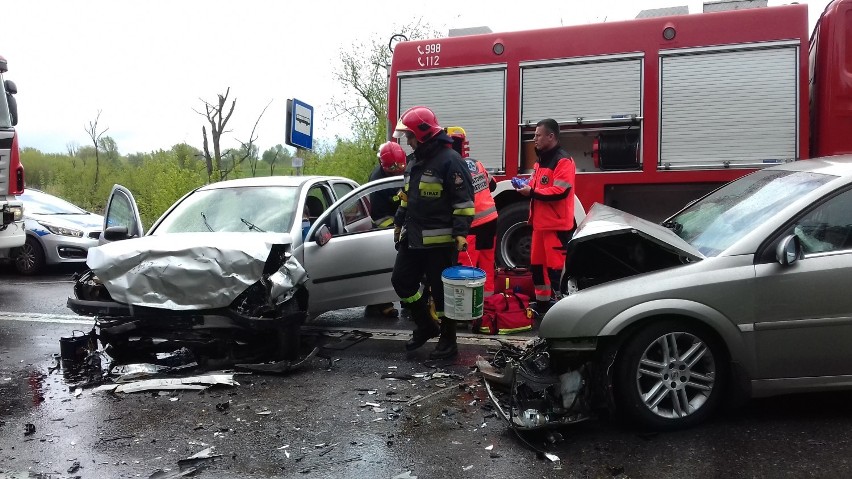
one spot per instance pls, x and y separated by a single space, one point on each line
483 231
551 192
430 227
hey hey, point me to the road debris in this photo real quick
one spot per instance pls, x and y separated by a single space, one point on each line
187 383
29 429
418 399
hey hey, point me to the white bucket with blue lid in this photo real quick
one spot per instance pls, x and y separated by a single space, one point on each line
463 292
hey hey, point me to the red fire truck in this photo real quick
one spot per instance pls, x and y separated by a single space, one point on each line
654 111
12 232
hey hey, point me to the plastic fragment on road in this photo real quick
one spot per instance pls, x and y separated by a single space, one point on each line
188 383
490 447
405 475
467 468
133 372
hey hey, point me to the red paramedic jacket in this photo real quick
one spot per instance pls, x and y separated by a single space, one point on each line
552 195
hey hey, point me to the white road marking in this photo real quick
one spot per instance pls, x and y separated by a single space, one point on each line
377 334
46 318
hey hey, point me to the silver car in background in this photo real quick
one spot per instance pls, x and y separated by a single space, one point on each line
743 293
57 232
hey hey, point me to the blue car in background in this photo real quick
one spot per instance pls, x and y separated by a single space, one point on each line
57 232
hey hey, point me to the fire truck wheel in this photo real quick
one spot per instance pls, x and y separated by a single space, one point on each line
514 236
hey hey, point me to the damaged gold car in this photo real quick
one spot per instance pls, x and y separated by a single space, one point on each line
740 294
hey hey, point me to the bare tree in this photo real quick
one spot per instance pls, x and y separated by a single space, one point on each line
248 150
92 131
72 148
218 120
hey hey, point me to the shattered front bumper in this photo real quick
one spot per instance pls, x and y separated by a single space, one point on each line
535 388
253 327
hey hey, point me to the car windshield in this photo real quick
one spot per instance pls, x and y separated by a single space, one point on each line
36 202
238 209
715 222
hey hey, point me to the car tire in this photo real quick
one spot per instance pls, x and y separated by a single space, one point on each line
658 387
29 258
514 236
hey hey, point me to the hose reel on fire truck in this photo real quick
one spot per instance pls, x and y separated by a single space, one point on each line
616 151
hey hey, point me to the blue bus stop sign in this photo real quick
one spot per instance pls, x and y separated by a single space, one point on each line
300 128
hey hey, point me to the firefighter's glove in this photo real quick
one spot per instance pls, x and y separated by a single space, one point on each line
461 243
396 231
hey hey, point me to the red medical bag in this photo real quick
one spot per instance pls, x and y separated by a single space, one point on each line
516 280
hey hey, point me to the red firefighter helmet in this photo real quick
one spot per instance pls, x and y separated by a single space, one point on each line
460 143
392 157
420 121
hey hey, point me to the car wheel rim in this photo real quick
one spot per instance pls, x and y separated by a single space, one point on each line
676 375
516 243
26 258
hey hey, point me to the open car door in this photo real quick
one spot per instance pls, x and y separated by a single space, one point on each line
349 252
121 219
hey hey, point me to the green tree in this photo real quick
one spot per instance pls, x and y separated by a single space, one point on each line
279 157
364 78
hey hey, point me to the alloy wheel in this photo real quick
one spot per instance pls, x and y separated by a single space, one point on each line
676 375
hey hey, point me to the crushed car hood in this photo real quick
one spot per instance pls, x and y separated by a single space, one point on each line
183 271
611 244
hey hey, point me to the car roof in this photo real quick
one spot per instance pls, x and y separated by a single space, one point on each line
272 181
840 165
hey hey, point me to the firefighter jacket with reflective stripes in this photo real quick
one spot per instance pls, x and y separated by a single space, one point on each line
437 197
483 185
552 195
383 203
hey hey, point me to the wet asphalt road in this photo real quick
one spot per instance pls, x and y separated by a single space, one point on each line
315 423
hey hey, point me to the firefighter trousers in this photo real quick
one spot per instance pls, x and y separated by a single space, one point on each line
547 258
412 265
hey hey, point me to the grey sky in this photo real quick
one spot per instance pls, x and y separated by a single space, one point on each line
145 64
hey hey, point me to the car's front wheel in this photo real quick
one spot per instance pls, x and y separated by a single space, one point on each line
670 375
29 258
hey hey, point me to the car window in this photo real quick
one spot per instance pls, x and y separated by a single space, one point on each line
727 214
342 189
372 209
44 204
235 209
120 213
828 227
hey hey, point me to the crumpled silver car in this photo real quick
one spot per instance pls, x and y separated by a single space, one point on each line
743 293
233 269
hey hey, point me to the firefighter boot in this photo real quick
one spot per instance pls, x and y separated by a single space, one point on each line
425 327
447 347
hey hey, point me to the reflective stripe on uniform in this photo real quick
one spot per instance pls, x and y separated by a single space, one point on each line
484 213
411 298
437 239
465 208
384 221
562 183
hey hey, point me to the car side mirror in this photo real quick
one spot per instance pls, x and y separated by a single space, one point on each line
116 233
323 235
789 250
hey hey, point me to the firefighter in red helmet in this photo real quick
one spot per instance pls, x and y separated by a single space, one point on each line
483 230
383 205
431 226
